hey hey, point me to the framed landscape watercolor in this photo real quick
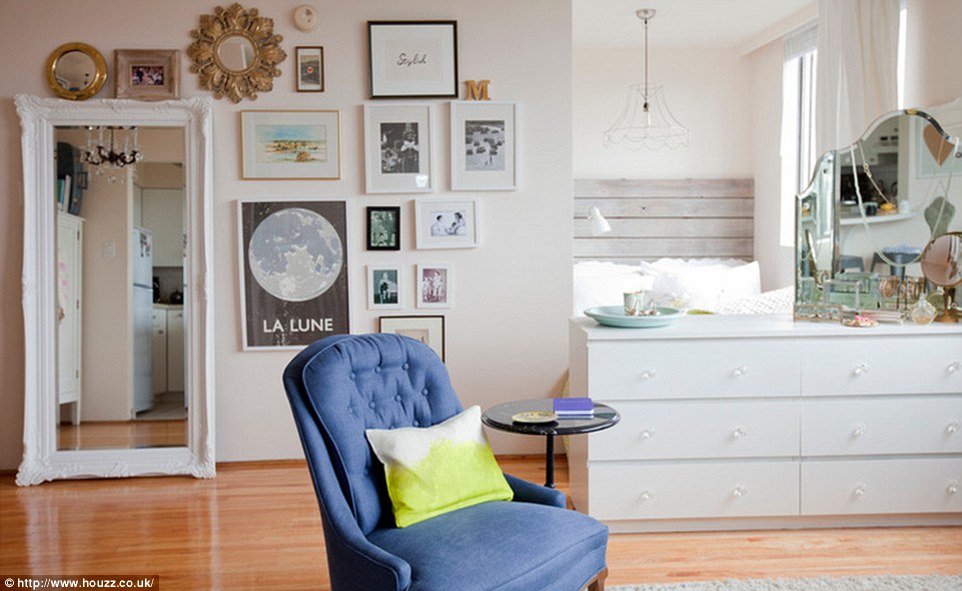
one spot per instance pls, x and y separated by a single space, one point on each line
383 286
310 69
484 146
397 148
288 299
434 286
291 144
147 74
384 228
445 223
426 329
413 58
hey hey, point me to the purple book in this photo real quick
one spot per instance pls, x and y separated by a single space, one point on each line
579 406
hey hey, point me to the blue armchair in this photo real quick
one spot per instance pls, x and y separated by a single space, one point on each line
344 384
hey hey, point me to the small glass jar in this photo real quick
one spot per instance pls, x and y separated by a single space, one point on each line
922 312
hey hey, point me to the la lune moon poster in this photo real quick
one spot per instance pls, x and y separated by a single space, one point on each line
294 262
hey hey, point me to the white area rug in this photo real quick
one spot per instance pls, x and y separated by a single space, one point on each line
885 583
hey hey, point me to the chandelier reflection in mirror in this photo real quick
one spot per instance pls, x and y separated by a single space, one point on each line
646 121
108 160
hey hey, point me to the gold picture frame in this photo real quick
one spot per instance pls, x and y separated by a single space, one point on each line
147 74
291 144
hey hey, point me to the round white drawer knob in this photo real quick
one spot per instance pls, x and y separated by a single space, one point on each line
740 491
740 371
859 491
648 374
646 496
953 367
861 369
952 427
647 433
739 433
953 487
858 431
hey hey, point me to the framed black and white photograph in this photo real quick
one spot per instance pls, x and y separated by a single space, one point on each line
291 144
426 329
435 289
445 223
397 148
484 146
383 287
384 228
310 69
294 272
413 58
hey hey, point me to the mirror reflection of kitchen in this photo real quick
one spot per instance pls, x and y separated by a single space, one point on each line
121 278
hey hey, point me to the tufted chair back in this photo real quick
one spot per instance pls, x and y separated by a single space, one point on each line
348 383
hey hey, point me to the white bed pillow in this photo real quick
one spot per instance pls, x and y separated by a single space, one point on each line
702 284
598 283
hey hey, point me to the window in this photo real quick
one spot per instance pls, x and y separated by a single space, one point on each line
798 125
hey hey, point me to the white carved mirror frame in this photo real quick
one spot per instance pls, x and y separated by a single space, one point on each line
42 460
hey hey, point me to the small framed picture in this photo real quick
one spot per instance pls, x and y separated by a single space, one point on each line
434 286
397 148
427 329
484 146
384 228
147 74
383 287
310 69
413 58
291 144
446 223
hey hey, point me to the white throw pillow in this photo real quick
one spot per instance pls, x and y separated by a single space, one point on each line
703 284
598 283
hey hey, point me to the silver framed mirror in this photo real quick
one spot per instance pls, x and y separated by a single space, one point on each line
76 71
40 121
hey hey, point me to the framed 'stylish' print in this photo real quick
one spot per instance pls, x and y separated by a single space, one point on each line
413 58
484 146
294 272
291 144
397 148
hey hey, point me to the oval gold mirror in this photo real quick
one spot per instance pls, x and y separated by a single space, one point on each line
942 265
235 53
76 71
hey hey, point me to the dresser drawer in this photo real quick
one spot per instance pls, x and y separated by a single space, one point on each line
700 429
894 425
882 486
882 365
696 368
693 490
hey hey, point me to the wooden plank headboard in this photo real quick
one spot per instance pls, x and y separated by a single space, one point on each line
650 219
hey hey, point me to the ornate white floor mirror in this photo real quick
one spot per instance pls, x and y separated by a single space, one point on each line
43 121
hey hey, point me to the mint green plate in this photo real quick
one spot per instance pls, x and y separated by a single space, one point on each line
615 316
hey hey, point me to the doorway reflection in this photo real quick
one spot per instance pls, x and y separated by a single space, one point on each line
121 280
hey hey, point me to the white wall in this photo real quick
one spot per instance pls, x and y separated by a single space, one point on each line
707 89
507 332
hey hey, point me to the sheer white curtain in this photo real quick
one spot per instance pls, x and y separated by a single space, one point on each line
857 78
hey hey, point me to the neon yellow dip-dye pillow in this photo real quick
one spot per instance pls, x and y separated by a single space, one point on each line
433 470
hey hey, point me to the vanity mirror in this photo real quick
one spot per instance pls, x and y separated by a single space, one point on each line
942 265
235 53
52 136
869 211
76 71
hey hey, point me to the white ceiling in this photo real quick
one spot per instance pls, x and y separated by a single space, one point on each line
679 23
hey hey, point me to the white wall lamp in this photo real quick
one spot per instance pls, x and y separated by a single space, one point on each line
646 121
599 225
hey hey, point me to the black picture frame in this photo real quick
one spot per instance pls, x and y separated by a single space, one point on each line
437 75
384 228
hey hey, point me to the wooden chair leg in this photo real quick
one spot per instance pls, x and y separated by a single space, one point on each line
598 583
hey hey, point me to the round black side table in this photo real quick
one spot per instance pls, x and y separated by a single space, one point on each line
499 417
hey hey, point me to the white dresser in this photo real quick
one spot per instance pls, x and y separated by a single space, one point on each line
733 422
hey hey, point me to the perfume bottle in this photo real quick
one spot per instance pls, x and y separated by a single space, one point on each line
922 312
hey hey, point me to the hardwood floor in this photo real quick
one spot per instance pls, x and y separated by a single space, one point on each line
256 525
123 434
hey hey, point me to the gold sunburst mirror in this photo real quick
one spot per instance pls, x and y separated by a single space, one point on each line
236 53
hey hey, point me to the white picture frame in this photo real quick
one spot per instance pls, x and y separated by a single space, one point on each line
426 329
397 148
413 59
384 287
318 130
446 223
484 146
435 286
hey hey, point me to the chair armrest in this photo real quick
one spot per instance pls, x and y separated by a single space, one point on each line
529 492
